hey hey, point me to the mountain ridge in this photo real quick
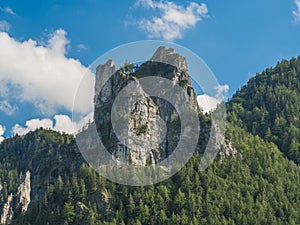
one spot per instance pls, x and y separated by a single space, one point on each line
269 102
255 185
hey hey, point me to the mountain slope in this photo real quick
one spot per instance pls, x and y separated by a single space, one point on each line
259 185
269 106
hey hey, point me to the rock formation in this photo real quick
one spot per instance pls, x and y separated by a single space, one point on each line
152 129
18 202
24 193
7 213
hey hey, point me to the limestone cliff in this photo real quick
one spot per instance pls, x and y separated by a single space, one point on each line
7 213
24 193
152 129
17 202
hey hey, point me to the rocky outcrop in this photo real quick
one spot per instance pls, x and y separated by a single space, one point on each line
145 128
223 146
18 202
81 208
7 213
24 194
103 202
46 166
170 57
40 165
151 130
228 150
104 84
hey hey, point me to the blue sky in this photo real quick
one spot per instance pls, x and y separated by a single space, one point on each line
235 38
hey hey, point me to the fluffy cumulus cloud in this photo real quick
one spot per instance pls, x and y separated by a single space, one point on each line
63 123
32 125
296 12
43 75
2 130
170 19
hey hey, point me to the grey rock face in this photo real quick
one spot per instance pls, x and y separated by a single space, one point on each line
228 150
170 57
41 168
24 193
152 128
103 72
17 202
7 213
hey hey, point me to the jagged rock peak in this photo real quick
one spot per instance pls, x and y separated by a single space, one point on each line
103 71
169 56
24 193
151 131
109 63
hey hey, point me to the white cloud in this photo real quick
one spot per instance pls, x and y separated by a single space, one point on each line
296 13
2 130
7 108
63 123
32 125
171 19
4 25
207 103
43 74
58 42
222 92
81 47
7 10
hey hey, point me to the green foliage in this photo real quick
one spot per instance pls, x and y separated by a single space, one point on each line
141 129
68 213
128 69
183 83
269 106
259 187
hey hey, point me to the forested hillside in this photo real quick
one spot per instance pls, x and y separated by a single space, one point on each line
269 106
259 185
